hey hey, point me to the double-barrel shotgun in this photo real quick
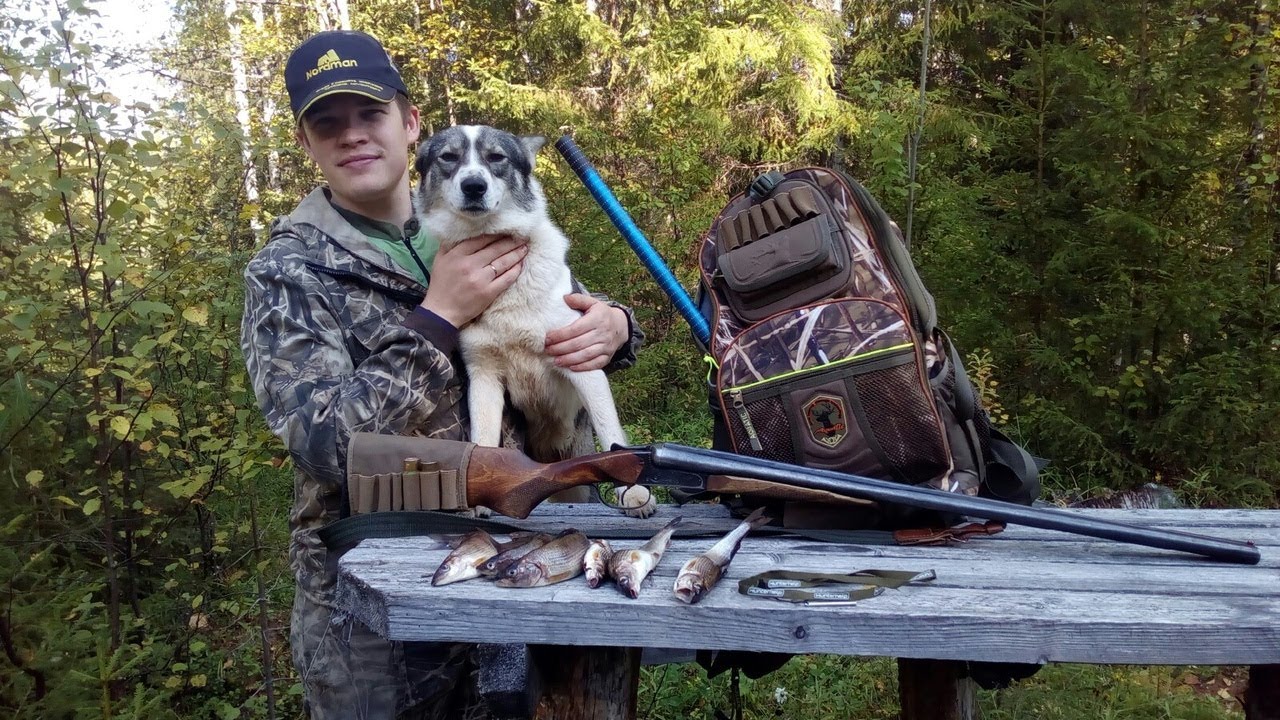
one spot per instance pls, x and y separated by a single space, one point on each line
513 484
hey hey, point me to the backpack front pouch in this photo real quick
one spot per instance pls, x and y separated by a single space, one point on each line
794 266
837 385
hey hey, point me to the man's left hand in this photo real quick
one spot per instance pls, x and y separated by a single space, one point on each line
589 342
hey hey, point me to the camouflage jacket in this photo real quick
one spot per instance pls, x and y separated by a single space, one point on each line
333 346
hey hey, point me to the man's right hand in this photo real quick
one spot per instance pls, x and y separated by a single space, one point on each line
466 278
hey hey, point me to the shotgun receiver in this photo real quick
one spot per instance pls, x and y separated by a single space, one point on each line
513 484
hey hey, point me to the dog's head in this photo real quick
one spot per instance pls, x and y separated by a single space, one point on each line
476 171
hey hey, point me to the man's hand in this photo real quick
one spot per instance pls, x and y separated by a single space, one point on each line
589 342
466 278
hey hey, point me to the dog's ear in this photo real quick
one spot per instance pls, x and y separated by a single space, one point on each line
532 144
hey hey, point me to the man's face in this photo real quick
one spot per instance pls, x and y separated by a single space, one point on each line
361 146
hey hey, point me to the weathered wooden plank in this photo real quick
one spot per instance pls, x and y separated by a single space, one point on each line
1033 600
934 690
1259 526
1005 630
974 566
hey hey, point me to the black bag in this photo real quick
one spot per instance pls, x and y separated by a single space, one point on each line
826 351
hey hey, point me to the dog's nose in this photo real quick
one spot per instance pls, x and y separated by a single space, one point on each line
474 187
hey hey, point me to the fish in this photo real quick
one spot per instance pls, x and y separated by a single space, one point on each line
629 568
700 573
596 562
464 562
514 550
557 561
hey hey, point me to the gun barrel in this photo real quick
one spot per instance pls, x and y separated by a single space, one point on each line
713 462
639 243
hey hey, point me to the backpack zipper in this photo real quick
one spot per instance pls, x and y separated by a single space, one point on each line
738 404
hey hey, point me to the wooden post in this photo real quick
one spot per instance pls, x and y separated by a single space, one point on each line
934 690
1262 695
588 683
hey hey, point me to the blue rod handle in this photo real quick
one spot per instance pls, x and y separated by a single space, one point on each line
639 243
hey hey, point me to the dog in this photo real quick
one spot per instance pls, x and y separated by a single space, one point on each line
476 180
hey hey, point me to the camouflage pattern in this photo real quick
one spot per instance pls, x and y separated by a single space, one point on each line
871 279
333 347
810 338
775 368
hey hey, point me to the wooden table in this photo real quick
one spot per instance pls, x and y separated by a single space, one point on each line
1026 595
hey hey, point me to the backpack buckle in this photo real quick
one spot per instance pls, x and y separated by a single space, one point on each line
762 187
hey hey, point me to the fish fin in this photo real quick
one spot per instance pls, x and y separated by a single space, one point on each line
757 518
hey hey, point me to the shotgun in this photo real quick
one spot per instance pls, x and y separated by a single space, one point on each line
513 484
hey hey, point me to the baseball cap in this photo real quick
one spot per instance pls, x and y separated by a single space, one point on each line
340 61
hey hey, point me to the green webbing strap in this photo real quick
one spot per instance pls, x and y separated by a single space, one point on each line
810 588
342 535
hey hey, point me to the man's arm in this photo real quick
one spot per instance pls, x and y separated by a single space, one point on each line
312 394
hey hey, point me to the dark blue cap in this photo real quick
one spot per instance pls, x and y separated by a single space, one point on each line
340 61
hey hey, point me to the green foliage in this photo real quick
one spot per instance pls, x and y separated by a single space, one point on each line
1096 212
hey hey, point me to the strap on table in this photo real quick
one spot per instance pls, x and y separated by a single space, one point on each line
811 588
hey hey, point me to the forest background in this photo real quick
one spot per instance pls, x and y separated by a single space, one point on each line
1091 189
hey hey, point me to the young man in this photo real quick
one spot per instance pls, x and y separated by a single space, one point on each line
350 325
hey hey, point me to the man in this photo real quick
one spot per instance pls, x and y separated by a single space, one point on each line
350 325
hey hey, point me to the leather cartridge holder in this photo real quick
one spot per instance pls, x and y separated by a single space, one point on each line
398 472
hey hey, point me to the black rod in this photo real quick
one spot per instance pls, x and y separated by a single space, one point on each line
718 462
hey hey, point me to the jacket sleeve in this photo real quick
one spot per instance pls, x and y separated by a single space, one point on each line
625 356
311 392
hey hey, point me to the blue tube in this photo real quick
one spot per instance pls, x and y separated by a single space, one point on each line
649 257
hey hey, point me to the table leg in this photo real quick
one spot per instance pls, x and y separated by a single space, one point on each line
1262 695
934 690
588 683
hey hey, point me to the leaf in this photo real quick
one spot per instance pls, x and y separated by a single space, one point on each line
91 506
164 414
35 477
196 314
120 426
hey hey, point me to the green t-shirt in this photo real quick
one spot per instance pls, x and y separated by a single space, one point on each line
390 239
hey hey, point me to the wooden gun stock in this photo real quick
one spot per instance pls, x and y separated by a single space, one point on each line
513 484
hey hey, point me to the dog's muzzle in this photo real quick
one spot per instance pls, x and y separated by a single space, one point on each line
473 192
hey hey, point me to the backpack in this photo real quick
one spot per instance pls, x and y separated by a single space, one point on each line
825 349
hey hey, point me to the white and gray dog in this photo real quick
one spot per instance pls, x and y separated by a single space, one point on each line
475 180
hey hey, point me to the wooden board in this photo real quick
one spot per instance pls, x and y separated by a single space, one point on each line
1023 596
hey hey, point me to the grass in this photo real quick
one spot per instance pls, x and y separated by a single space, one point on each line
831 688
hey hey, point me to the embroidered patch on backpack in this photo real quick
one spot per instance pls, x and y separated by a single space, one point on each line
825 417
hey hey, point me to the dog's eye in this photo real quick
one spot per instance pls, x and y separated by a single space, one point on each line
495 157
449 157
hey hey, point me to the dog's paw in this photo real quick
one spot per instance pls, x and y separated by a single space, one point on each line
635 500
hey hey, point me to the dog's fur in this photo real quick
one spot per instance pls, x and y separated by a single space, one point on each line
476 180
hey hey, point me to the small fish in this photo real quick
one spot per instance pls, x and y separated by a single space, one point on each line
512 551
464 562
557 561
700 574
629 568
596 562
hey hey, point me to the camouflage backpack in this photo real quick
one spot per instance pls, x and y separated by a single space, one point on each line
825 346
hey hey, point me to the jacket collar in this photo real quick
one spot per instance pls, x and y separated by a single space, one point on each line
317 211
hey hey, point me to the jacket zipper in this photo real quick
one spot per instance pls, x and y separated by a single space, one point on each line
411 228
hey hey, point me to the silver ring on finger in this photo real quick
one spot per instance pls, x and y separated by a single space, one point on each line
494 269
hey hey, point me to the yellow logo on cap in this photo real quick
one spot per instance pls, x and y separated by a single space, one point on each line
329 61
